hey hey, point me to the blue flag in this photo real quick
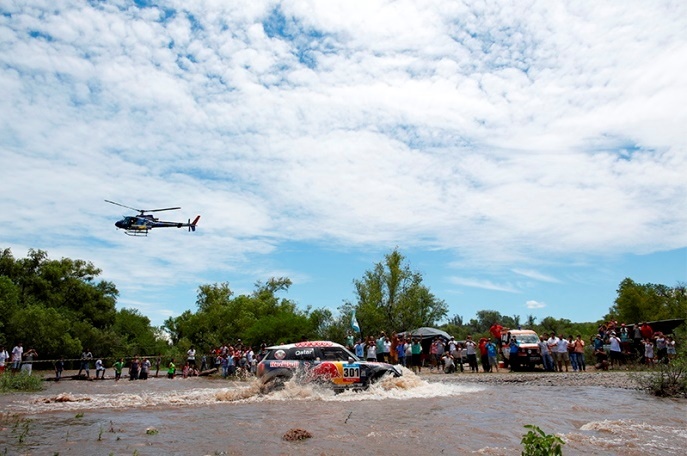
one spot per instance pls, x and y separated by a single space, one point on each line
354 323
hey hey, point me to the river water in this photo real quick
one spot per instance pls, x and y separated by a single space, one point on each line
429 415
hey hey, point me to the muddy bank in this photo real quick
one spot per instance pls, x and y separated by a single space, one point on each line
609 379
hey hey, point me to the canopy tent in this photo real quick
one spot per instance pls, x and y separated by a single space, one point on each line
426 333
663 326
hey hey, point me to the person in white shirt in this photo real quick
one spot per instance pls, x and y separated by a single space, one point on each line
17 354
562 356
552 342
4 357
191 357
616 352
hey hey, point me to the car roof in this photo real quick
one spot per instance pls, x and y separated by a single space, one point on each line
307 344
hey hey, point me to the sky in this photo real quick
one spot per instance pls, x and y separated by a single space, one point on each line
524 156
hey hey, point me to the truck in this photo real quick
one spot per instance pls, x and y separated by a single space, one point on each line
528 349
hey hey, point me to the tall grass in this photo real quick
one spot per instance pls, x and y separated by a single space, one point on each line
20 381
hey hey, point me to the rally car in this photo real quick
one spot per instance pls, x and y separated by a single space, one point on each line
320 362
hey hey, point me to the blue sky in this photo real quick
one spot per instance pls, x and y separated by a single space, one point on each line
525 157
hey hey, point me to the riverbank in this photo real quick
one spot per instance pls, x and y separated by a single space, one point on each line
610 379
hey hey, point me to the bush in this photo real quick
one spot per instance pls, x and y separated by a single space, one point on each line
20 381
537 443
666 380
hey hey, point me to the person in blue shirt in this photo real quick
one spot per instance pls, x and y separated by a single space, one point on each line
513 359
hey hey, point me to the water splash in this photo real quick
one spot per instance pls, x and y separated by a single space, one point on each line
156 394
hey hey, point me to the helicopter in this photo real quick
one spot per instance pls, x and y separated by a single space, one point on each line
139 225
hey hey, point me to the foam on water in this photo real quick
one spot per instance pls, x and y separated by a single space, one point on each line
630 434
408 386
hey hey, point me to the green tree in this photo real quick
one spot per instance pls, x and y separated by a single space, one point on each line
391 297
641 302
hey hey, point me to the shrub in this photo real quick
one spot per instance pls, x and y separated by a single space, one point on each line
666 380
537 443
20 381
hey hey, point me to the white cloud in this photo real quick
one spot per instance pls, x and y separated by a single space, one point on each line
484 284
531 304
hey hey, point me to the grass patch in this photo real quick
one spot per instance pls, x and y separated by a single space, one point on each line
20 381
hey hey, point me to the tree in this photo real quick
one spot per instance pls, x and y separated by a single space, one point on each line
641 302
391 297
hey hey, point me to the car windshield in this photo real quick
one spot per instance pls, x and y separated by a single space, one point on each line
337 354
527 338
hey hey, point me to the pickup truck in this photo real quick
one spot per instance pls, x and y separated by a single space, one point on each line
528 349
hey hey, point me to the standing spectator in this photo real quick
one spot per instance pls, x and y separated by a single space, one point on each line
191 356
171 369
394 348
59 367
484 355
17 354
86 357
562 357
649 352
145 369
134 369
158 360
360 349
458 356
118 368
513 358
661 351
349 339
579 353
401 351
492 354
433 360
637 338
387 350
471 351
224 364
553 349
4 357
546 358
28 363
380 347
616 353
416 350
671 351
371 350
571 353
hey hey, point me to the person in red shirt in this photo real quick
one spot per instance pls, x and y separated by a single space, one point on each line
646 330
484 354
495 331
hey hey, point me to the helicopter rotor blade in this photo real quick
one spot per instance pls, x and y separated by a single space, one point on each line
143 211
165 209
128 207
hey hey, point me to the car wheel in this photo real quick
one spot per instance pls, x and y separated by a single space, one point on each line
273 384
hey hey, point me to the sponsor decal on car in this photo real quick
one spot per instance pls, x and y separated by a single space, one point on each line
288 364
314 344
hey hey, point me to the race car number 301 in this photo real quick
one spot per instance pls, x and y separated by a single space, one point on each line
351 371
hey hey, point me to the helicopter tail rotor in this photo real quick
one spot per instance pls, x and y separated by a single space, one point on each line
192 226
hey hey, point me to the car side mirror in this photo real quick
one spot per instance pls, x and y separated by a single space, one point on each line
350 360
